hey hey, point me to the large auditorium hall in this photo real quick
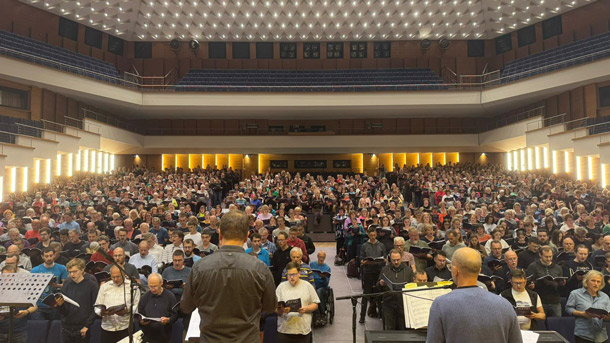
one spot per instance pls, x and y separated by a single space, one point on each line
270 171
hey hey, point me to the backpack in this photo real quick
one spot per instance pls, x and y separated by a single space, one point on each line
340 258
352 269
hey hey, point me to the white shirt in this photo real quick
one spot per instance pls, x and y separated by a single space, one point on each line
196 239
157 252
111 295
522 299
295 323
138 261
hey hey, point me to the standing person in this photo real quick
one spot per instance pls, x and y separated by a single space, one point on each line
589 327
158 302
280 258
76 321
20 319
113 293
372 258
247 286
451 315
177 271
295 326
393 308
60 273
519 296
547 289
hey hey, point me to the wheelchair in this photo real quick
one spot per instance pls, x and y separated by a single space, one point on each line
329 314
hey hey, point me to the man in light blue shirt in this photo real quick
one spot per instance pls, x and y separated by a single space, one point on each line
261 253
321 276
589 327
143 258
69 223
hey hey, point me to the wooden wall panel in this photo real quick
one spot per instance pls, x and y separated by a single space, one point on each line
590 100
577 103
195 161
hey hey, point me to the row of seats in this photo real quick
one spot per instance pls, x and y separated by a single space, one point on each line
34 51
310 80
9 126
597 46
44 331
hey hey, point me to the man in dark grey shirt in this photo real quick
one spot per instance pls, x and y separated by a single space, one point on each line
230 288
372 259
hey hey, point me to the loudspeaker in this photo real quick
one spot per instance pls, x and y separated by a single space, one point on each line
241 50
526 36
174 44
503 44
142 49
115 45
444 43
424 44
93 37
217 50
476 48
68 28
552 27
264 50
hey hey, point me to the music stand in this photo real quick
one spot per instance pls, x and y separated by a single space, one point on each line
21 290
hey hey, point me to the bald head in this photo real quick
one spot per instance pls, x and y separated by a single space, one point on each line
467 261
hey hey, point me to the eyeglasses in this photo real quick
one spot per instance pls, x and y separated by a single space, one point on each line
292 275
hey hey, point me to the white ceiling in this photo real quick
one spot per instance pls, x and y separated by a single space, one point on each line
306 20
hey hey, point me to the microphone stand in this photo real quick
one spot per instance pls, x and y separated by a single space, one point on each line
133 285
354 298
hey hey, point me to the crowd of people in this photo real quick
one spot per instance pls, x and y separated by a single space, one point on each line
540 238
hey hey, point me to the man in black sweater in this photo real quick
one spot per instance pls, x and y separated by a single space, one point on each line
280 258
157 303
76 321
529 255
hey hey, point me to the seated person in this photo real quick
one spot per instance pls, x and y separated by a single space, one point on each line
321 276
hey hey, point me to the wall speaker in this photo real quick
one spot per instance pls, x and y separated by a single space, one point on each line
174 44
193 44
444 43
424 44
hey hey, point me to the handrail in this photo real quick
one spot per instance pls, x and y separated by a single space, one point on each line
67 66
546 122
516 117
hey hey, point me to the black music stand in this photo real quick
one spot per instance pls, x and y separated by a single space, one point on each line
354 298
21 290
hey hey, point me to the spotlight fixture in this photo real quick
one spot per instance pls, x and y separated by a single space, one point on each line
194 45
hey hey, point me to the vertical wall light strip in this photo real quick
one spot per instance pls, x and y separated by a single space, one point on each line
537 157
1 188
86 160
162 162
175 161
112 157
590 167
530 159
604 179
37 171
78 160
555 162
509 161
458 157
70 165
417 158
13 187
515 156
545 155
106 162
578 171
216 160
47 177
190 167
391 166
58 172
92 157
24 187
431 159
566 158
99 162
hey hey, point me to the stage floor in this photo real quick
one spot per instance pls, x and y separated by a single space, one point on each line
341 329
